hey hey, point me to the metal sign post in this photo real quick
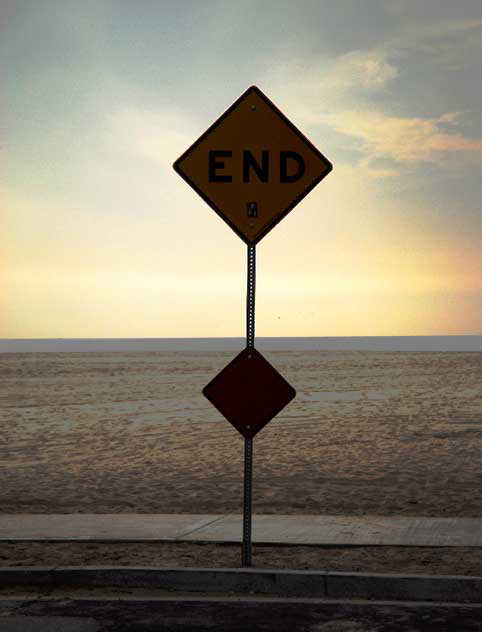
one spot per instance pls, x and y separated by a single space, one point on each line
252 166
248 442
248 502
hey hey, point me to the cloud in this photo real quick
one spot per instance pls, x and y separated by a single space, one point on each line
360 70
323 84
158 136
448 44
357 94
450 117
446 28
404 139
324 98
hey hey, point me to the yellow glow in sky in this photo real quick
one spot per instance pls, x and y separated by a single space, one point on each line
101 238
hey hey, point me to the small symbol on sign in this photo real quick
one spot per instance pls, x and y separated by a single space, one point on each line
252 209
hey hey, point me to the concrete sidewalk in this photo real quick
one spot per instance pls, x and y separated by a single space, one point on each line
267 529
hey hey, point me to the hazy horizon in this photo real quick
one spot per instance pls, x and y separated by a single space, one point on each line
462 343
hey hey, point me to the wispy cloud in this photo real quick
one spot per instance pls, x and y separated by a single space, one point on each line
309 87
328 89
157 136
362 71
443 28
404 139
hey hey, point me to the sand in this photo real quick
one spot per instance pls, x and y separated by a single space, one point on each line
368 433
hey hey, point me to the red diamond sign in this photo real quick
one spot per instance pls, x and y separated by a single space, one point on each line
252 166
249 392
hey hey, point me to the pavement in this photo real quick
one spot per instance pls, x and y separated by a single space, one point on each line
267 529
131 599
135 600
234 615
110 599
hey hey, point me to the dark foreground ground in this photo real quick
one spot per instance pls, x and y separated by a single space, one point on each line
87 608
235 615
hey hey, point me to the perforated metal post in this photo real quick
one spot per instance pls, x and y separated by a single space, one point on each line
248 477
248 443
250 296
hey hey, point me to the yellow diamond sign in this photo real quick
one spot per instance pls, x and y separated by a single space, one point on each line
252 166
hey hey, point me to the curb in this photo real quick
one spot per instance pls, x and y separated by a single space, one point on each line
307 584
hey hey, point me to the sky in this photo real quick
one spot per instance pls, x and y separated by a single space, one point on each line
101 238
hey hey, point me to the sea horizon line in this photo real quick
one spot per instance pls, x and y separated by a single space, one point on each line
427 343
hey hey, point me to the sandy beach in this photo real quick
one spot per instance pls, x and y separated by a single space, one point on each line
368 433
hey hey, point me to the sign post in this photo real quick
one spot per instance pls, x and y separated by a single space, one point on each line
248 443
248 502
252 166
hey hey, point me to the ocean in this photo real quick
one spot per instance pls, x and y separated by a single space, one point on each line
455 343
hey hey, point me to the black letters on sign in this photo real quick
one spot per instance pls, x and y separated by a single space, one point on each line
291 166
283 166
215 164
261 171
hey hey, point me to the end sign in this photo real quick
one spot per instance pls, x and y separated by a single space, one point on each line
252 166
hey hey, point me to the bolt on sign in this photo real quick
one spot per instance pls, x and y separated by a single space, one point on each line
252 166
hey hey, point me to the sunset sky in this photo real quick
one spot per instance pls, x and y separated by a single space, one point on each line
101 238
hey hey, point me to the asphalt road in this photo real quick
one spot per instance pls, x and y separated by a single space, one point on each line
235 614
